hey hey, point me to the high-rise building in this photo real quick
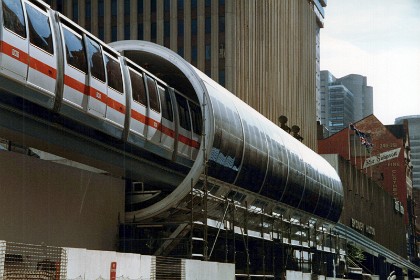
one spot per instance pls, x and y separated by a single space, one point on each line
265 52
363 95
343 101
413 123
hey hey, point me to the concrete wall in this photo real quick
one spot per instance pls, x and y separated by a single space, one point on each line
58 205
89 264
199 270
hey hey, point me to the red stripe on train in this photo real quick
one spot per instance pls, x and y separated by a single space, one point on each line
42 67
13 52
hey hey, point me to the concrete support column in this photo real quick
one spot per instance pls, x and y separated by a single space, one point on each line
215 40
230 45
174 26
201 45
187 30
82 13
159 22
133 20
147 19
94 17
107 21
120 20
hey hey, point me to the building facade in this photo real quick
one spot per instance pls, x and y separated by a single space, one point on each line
265 52
343 100
381 153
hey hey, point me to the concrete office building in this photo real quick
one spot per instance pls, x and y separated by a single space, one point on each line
413 123
343 101
265 52
363 95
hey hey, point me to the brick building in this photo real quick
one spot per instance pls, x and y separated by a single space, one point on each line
381 153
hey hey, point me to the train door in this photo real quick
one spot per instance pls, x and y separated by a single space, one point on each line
97 80
138 125
184 129
42 71
115 111
197 124
154 115
75 89
168 124
13 41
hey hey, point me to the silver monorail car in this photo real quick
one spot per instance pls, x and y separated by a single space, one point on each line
153 100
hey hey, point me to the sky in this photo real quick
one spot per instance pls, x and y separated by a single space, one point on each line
379 39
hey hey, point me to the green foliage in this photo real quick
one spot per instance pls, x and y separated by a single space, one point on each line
355 253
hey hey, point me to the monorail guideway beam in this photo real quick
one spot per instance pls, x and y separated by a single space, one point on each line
24 128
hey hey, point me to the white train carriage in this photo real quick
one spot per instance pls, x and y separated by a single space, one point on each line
78 76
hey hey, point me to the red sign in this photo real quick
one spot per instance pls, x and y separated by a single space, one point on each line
113 272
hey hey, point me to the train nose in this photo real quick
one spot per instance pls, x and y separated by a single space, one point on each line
181 76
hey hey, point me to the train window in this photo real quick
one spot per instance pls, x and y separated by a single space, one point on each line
196 118
166 103
75 51
113 72
137 87
13 17
184 115
39 29
96 62
153 95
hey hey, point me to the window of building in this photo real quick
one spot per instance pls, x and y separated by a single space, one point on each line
193 4
127 7
153 32
222 77
88 9
101 8
221 24
180 4
194 27
127 31
153 6
101 32
59 5
181 51
114 8
113 33
140 6
208 25
180 27
75 10
194 53
140 32
208 52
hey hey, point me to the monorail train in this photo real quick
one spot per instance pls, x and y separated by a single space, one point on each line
150 98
